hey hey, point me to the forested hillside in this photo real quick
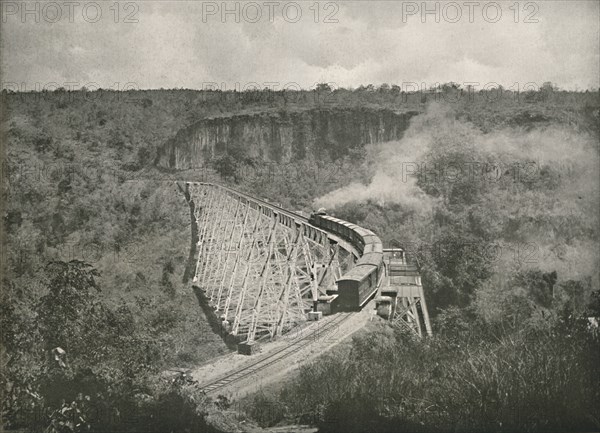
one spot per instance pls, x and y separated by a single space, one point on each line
96 236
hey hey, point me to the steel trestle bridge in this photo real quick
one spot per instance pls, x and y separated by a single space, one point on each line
265 270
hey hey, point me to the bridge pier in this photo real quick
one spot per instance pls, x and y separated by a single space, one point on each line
315 315
247 348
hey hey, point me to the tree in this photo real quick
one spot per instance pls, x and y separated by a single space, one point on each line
226 166
548 86
323 87
384 88
69 297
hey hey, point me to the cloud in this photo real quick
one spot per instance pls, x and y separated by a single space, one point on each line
175 45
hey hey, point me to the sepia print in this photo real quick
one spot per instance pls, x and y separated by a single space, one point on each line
300 216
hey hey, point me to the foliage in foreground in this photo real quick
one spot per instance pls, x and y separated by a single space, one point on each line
475 376
78 365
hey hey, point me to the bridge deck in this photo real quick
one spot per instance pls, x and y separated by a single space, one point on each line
295 216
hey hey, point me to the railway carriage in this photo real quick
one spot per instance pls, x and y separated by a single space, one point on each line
360 283
355 288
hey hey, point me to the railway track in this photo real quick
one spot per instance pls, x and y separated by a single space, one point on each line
266 204
274 357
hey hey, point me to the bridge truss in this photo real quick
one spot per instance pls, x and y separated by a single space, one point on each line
262 268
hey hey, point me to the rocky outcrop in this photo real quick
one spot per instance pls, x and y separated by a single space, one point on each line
283 136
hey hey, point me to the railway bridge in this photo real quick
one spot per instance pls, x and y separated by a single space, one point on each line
265 270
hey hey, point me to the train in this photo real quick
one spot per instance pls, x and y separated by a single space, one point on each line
359 284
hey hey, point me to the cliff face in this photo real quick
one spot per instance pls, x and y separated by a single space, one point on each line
282 136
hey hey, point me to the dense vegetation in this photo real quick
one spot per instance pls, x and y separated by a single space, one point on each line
95 244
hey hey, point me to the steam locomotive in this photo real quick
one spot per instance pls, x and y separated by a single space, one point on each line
358 285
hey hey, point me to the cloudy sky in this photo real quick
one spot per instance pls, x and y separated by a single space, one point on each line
190 44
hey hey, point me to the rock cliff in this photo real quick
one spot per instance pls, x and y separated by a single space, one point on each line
283 136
